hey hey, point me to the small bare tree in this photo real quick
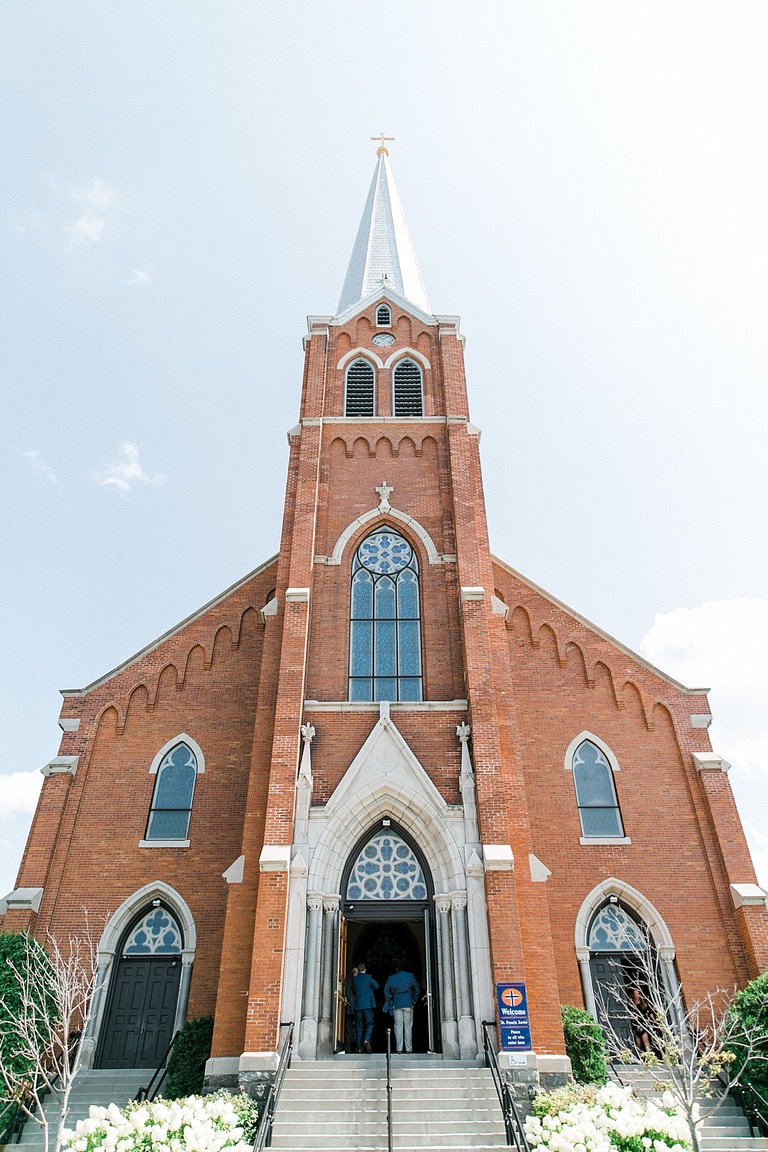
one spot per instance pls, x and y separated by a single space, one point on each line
40 1032
685 1050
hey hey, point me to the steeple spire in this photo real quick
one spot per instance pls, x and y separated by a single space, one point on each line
383 255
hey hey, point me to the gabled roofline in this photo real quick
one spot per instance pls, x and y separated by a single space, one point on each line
600 632
69 692
383 293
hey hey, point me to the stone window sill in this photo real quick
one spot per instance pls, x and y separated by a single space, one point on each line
163 843
605 840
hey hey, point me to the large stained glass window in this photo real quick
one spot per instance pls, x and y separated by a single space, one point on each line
156 934
614 930
386 869
595 792
385 630
172 801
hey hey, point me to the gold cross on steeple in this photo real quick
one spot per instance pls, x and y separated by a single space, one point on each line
382 147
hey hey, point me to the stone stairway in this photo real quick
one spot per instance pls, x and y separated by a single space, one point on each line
342 1103
100 1087
725 1131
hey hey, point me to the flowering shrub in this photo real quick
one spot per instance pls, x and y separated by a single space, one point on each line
580 1118
197 1124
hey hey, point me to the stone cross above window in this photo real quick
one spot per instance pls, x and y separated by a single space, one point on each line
384 491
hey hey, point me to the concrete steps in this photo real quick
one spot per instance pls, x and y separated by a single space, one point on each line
436 1105
727 1130
105 1087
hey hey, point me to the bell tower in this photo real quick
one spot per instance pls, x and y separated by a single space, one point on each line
384 693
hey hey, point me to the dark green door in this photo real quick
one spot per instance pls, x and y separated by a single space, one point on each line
139 1023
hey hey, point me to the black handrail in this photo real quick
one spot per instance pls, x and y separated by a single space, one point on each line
264 1132
12 1121
389 1090
754 1107
516 1137
152 1089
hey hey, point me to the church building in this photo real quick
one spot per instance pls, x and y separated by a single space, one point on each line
383 745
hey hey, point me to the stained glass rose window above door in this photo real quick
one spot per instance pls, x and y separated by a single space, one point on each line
386 869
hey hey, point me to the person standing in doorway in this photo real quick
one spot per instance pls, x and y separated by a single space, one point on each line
363 988
349 1019
401 992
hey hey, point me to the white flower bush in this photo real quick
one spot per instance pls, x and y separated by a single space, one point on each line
197 1124
600 1120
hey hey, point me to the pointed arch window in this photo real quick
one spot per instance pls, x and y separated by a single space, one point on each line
596 792
360 398
383 316
156 934
408 393
386 868
385 626
614 930
172 799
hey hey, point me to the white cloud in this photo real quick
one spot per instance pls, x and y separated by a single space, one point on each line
722 645
18 796
97 202
38 463
20 791
139 277
126 471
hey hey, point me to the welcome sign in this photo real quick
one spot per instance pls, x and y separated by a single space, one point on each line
514 1025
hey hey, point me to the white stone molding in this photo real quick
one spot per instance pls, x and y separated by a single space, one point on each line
297 595
601 744
407 354
106 955
498 857
475 865
433 556
234 874
396 706
473 592
294 433
164 843
69 725
357 354
539 872
748 895
701 720
269 609
182 738
22 899
473 430
295 932
60 766
385 491
498 607
710 762
275 858
635 901
604 840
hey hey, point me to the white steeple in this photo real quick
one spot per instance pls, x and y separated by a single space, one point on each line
383 255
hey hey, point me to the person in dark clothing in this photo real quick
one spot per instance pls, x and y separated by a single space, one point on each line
401 992
363 988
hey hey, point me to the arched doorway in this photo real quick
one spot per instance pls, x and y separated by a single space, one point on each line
621 961
388 922
141 1009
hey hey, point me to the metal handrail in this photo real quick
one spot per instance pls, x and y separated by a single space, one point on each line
152 1089
264 1131
389 1090
516 1137
753 1105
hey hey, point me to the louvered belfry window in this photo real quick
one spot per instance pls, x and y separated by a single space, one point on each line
407 389
360 389
383 316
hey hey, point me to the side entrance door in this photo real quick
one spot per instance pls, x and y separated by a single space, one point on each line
140 1016
609 984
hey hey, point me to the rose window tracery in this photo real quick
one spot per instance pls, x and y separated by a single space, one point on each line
386 869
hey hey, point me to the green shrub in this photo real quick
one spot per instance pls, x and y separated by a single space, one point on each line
584 1045
246 1108
750 1006
21 951
561 1099
186 1065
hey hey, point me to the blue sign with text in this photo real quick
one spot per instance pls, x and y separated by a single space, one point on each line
514 1025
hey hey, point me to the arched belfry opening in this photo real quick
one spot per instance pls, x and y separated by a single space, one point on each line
387 922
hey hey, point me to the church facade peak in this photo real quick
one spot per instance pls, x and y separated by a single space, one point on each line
383 256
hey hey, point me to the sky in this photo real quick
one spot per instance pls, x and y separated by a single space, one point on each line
180 185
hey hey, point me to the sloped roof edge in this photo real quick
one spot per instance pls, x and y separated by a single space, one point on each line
67 692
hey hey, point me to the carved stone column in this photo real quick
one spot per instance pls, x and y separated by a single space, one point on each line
671 983
296 922
326 1039
467 1032
98 1004
585 972
450 1031
308 1031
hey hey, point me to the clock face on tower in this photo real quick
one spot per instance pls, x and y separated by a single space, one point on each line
383 339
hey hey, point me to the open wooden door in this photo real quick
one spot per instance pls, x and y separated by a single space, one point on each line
341 973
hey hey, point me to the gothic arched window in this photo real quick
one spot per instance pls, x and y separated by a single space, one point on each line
155 934
384 630
383 316
408 397
595 792
360 398
614 930
172 799
387 868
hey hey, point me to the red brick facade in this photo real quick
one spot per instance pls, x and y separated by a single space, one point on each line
533 676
